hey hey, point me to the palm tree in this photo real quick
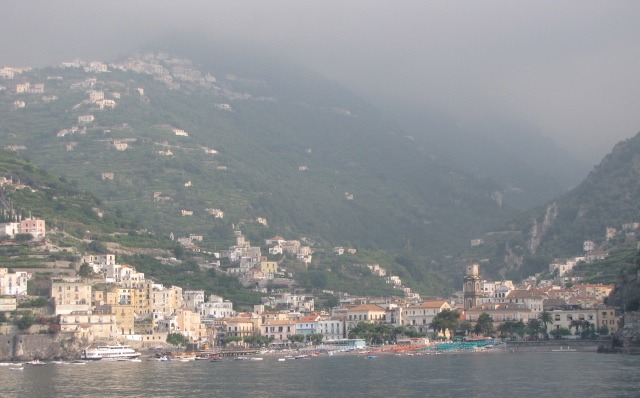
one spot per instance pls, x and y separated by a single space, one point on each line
575 324
546 318
533 327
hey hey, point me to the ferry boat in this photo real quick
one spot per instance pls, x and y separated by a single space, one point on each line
110 352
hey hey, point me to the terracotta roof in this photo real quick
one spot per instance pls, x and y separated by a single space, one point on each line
278 322
533 293
367 307
433 304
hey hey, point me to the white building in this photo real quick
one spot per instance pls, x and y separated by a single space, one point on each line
332 328
14 283
216 308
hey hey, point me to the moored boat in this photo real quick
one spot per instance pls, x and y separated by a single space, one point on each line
110 352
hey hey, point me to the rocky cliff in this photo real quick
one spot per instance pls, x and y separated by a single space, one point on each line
26 347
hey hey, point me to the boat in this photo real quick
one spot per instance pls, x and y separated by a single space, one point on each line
183 358
77 362
372 356
561 349
110 352
163 358
35 362
20 368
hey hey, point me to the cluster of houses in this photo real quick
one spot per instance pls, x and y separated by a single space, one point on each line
167 69
123 303
503 301
254 269
32 226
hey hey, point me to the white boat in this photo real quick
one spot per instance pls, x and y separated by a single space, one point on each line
561 349
110 352
20 368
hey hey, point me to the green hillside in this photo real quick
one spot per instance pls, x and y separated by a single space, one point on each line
608 197
400 196
261 140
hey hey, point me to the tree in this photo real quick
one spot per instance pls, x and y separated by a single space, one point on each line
85 270
575 323
315 338
297 338
546 318
445 320
373 333
484 325
179 251
22 238
98 247
465 327
588 330
25 321
512 329
558 333
177 339
257 340
534 327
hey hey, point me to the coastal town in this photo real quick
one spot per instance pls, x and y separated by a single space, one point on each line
100 299
111 302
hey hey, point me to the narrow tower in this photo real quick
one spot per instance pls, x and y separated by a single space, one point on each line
472 285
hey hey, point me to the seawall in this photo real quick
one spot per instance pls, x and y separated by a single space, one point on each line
551 345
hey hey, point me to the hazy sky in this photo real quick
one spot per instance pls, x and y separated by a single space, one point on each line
570 69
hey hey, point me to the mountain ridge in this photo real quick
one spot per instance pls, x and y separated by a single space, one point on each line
322 165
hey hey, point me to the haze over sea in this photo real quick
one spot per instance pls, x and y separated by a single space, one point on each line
575 374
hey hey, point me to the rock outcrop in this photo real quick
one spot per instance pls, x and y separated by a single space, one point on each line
26 347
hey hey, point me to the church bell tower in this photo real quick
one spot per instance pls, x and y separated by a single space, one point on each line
472 286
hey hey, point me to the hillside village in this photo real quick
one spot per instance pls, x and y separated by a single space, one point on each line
102 299
107 301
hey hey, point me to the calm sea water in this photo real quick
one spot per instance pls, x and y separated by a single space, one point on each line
571 374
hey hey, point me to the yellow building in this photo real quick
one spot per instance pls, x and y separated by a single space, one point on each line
268 267
420 316
88 325
70 295
124 317
369 313
239 327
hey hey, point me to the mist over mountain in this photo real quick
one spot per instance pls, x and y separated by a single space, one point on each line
530 166
267 140
602 209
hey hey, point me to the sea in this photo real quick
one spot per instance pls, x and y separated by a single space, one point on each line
548 374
